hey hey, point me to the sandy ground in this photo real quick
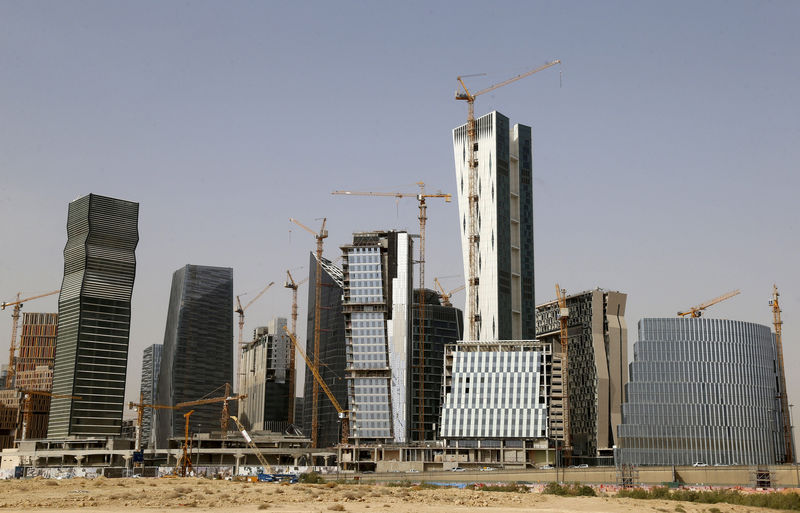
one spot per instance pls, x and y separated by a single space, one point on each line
148 495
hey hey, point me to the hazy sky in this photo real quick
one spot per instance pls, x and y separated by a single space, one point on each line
664 158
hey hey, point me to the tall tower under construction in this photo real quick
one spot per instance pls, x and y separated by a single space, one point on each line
505 225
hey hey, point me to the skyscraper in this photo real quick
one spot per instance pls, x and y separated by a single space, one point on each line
332 352
443 325
197 359
151 366
505 225
264 373
94 314
377 313
597 372
702 390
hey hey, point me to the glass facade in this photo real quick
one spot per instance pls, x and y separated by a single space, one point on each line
701 390
94 317
151 366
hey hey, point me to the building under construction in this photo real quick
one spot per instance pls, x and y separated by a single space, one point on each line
37 351
597 370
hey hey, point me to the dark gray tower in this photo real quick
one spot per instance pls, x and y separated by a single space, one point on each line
197 359
94 314
151 365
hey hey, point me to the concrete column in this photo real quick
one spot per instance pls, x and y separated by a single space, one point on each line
127 458
238 457
295 461
79 459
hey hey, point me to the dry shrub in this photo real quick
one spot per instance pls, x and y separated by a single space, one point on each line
351 496
336 507
183 489
51 482
264 506
208 491
173 495
278 490
330 484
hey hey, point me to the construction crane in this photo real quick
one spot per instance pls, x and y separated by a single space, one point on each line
239 310
697 311
320 238
473 234
224 399
563 317
447 295
185 461
27 416
140 406
252 444
17 304
293 285
343 414
787 427
423 218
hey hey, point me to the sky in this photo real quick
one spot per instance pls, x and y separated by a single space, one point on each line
665 145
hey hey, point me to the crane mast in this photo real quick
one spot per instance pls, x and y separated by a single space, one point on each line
320 238
787 428
563 317
293 285
473 236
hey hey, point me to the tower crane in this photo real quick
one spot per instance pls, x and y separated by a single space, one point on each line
787 427
697 311
17 304
320 238
185 461
291 284
343 414
224 399
447 295
473 234
27 416
239 310
423 217
140 406
563 317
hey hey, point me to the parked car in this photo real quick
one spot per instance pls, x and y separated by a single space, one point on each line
546 467
699 464
458 469
583 465
488 469
412 471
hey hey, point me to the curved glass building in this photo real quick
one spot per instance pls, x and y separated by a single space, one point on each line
701 390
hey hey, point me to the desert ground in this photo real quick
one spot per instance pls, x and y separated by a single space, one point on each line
147 495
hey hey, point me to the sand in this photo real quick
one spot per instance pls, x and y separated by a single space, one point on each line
148 495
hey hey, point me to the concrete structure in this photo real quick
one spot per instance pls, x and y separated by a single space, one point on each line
37 351
9 417
197 359
702 390
377 269
443 325
505 225
94 314
332 352
264 371
496 392
151 367
598 356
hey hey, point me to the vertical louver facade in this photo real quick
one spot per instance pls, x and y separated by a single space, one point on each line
151 364
197 359
94 313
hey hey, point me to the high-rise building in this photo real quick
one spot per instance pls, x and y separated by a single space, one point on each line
377 269
37 351
151 366
94 314
702 390
597 371
443 325
197 359
332 352
264 373
505 225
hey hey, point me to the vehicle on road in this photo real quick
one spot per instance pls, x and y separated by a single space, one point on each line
412 471
458 469
699 464
546 467
488 469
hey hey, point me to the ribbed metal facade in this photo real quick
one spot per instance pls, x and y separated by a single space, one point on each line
94 312
197 359
151 365
443 325
332 353
701 390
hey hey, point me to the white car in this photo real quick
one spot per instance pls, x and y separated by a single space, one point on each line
699 464
458 469
412 471
488 469
546 467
